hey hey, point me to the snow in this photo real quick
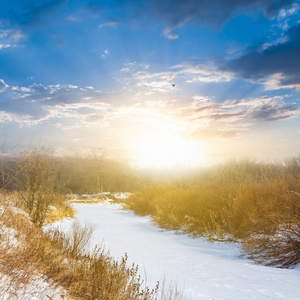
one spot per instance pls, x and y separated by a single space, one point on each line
8 237
19 284
121 195
37 287
203 270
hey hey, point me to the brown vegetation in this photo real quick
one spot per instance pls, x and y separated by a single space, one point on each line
255 204
37 183
63 259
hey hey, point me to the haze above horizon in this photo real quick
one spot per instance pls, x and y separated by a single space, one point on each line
159 84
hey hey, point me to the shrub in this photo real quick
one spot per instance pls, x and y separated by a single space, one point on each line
203 211
36 182
89 276
280 249
248 202
76 241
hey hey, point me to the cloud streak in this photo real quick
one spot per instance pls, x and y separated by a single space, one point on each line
37 103
187 73
230 118
68 107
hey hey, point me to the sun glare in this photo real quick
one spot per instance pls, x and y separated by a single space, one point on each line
164 150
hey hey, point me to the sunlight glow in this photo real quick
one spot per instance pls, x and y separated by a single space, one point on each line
165 149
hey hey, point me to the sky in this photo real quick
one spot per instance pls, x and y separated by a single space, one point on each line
191 82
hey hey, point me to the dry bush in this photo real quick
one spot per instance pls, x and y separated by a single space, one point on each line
39 187
203 211
85 276
256 204
244 172
76 240
143 203
19 277
58 212
248 214
276 243
281 249
96 173
36 182
262 208
171 291
59 209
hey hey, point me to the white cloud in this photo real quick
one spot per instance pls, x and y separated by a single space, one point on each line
69 107
283 13
109 24
125 70
157 85
9 38
105 53
172 36
3 46
274 82
134 66
230 118
188 73
201 98
3 85
280 40
37 103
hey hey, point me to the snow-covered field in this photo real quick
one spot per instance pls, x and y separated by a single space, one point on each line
20 285
203 270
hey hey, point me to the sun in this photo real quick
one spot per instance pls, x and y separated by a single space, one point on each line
161 149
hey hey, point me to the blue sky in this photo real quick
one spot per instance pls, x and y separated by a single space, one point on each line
101 75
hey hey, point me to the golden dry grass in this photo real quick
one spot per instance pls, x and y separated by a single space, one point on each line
239 202
94 276
61 259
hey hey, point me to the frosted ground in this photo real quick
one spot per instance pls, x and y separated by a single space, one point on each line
17 285
203 270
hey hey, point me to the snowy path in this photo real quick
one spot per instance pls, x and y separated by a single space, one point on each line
204 270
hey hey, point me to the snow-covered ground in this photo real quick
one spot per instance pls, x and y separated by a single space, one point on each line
20 285
203 270
37 287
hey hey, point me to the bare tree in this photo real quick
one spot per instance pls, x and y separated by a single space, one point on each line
36 181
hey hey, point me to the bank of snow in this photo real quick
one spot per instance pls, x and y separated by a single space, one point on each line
16 283
203 270
35 287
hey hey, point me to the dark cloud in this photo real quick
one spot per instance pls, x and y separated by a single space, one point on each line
176 13
271 112
282 61
211 13
172 13
28 13
266 112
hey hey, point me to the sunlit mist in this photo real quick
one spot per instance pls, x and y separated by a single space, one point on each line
166 149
